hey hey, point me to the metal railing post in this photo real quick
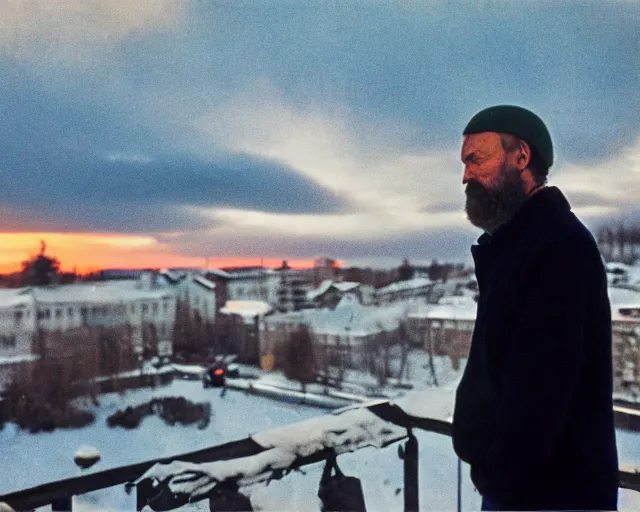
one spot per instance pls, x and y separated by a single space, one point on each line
62 504
411 485
459 485
144 491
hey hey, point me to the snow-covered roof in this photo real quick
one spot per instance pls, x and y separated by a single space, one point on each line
22 358
218 272
103 292
15 297
630 274
614 266
346 286
623 296
448 308
348 318
327 284
410 284
248 309
204 282
321 290
171 276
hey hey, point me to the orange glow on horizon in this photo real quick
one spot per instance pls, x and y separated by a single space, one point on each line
88 252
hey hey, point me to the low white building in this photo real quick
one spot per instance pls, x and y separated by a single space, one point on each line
141 304
446 328
343 331
17 322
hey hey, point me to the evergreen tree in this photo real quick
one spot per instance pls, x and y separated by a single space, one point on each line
40 270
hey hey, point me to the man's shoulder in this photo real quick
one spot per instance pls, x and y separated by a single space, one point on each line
570 250
570 233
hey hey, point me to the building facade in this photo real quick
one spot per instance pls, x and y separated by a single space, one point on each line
145 307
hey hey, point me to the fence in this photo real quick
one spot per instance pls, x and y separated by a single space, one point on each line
384 423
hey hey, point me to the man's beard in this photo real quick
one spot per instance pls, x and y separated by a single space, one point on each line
490 208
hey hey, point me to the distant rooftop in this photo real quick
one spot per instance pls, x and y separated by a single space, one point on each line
410 284
103 292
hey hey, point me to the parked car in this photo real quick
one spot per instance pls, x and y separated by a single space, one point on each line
215 375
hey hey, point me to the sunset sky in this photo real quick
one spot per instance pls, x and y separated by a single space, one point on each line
162 133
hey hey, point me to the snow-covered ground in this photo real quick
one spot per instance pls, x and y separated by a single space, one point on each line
36 459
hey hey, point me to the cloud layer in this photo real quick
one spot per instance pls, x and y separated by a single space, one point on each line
272 128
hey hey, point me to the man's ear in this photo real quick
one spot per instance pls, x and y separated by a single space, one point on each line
524 156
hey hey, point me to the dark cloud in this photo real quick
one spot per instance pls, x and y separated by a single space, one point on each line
428 65
138 196
88 167
433 64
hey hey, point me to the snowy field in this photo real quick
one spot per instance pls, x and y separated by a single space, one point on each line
28 460
35 459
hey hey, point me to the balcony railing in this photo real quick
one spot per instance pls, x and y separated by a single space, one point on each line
390 425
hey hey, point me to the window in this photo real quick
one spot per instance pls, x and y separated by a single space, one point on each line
165 307
95 311
58 313
8 341
70 312
133 309
163 330
145 308
154 307
17 316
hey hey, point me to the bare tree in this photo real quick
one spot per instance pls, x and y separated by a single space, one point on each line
429 339
297 357
405 347
378 355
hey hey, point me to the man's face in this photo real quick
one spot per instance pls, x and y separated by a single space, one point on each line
495 189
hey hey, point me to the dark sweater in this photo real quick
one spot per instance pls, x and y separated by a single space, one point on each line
534 410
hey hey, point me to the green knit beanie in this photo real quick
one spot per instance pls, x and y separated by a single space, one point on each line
516 121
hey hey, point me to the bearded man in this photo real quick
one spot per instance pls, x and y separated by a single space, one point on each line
534 409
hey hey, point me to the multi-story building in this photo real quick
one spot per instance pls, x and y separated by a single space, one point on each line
145 306
253 284
325 269
293 287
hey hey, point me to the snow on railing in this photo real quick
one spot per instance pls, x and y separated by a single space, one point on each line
170 483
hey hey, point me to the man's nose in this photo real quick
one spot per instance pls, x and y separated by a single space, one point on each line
466 177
